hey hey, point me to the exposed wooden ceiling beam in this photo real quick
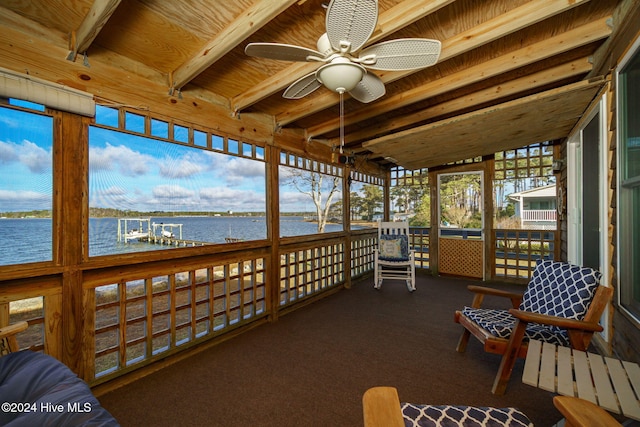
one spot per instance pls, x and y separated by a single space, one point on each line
250 21
561 43
90 27
392 20
521 17
544 116
516 86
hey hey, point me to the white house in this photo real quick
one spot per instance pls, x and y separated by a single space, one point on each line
536 208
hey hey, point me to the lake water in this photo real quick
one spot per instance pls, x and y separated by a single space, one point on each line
29 240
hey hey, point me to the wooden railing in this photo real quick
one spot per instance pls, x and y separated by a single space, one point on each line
40 304
137 313
539 215
141 318
516 251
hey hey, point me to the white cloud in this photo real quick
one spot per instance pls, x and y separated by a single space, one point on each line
7 153
224 198
182 167
125 160
244 168
35 158
25 200
9 123
171 192
113 191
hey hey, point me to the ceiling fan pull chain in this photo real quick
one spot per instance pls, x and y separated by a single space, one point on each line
341 120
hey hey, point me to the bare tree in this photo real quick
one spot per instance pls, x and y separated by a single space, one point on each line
315 185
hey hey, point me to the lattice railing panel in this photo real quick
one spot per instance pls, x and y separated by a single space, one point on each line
420 244
305 272
362 254
516 251
139 320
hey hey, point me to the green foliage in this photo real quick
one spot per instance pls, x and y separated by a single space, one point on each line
368 201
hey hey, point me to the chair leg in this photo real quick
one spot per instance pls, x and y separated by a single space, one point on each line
463 341
509 358
412 271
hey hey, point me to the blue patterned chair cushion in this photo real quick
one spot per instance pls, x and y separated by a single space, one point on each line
500 323
560 289
466 416
394 247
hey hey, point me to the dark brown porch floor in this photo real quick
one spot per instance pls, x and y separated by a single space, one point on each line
311 367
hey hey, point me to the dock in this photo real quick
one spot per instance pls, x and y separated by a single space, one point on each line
143 230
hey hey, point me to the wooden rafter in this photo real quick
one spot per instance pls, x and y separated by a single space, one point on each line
507 23
520 85
544 116
250 21
553 46
389 22
85 34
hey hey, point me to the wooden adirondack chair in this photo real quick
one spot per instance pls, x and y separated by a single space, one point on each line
8 342
562 304
382 408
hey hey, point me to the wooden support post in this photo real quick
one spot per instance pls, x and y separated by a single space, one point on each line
71 159
346 221
273 232
488 215
434 230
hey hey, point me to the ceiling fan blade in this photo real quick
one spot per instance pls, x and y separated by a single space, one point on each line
402 54
352 21
370 88
283 52
302 87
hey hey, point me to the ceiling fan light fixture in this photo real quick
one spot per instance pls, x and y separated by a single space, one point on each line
349 25
341 75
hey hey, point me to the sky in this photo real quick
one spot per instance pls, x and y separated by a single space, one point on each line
25 161
133 172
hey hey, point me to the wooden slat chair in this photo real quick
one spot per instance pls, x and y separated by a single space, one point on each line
582 413
8 341
381 407
562 304
394 259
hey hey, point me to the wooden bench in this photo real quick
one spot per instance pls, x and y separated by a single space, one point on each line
605 381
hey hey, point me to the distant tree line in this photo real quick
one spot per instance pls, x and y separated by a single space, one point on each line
126 213
44 213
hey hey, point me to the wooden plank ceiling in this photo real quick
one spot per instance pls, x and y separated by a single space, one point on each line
507 76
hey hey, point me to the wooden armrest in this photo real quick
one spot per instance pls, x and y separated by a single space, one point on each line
8 336
560 322
16 328
481 291
381 408
582 413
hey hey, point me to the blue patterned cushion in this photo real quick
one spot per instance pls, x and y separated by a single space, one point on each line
394 247
500 323
560 289
467 416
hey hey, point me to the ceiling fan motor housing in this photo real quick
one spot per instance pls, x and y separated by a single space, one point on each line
340 75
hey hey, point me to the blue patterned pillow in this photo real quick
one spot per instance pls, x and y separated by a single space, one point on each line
561 289
394 247
450 416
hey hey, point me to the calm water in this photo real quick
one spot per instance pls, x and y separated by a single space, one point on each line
29 240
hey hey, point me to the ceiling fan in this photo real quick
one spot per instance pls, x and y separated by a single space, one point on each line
349 24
